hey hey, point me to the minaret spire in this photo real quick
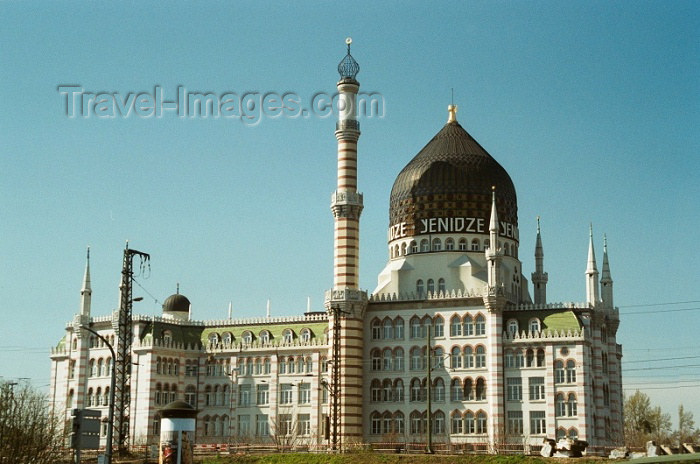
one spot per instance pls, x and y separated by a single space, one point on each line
606 282
86 290
592 292
493 253
539 277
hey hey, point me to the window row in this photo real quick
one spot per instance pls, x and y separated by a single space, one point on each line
295 365
460 390
262 425
264 337
257 366
538 423
96 368
565 375
421 287
95 397
393 329
215 426
216 395
533 326
436 244
167 366
535 388
529 358
565 407
165 394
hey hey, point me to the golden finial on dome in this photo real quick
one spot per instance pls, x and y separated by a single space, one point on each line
452 113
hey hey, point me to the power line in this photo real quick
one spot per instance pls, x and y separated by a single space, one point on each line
662 388
661 367
662 311
661 359
659 304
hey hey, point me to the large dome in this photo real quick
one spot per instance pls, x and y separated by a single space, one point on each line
452 177
176 303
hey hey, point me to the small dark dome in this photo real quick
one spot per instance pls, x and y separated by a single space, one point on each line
177 303
178 409
452 176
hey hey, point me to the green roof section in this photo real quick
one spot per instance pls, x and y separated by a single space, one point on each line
317 330
556 319
186 334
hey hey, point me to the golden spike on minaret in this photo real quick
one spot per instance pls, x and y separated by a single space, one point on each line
452 113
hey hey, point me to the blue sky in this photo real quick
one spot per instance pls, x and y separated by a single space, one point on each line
592 107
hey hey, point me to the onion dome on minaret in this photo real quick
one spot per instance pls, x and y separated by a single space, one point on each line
348 67
452 177
177 306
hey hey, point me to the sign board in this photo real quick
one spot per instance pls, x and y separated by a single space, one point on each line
86 429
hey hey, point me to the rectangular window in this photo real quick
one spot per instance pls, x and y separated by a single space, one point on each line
536 387
263 394
243 425
262 426
376 424
285 424
243 395
304 425
439 329
304 393
538 424
514 389
515 422
457 424
286 393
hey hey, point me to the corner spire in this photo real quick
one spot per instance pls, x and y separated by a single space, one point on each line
86 290
539 277
606 282
592 290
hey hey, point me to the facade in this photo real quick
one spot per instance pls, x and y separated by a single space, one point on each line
450 348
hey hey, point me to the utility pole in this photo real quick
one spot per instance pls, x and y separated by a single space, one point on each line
125 337
335 379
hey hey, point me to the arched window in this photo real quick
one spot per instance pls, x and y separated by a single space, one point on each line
506 249
416 419
468 357
455 326
480 389
415 327
512 326
449 244
441 285
431 286
559 372
571 406
305 335
540 357
416 359
509 359
456 390
376 423
265 337
414 247
462 244
561 433
468 389
89 397
529 357
159 393
291 367
560 405
481 422
457 423
398 328
213 338
247 337
438 358
468 326
519 358
403 249
93 369
227 338
399 426
387 394
387 329
282 366
480 326
398 390
437 244
266 366
258 366
167 337
376 390
100 367
424 245
376 329
570 371
396 251
416 389
439 390
190 395
386 359
480 356
398 359
438 327
98 396
475 244
419 287
287 335
469 422
573 433
439 423
71 396
456 358
376 359
534 325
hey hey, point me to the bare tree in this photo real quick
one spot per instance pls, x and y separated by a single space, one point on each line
686 426
29 433
644 422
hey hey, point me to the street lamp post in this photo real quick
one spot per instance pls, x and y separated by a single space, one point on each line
110 417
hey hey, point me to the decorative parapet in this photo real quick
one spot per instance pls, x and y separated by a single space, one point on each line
59 352
257 345
316 317
351 198
562 305
346 294
148 342
443 295
544 335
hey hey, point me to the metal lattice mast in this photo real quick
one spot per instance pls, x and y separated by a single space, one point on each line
125 335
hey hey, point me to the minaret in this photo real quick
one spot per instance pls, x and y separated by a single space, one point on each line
345 302
606 282
493 253
86 291
592 293
539 277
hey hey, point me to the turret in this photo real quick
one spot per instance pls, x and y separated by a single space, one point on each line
606 282
86 291
493 252
539 277
592 293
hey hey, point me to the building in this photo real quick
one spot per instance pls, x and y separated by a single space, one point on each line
449 348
